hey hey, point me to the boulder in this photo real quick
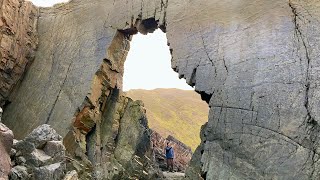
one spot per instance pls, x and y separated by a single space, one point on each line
19 173
41 154
41 135
52 171
6 141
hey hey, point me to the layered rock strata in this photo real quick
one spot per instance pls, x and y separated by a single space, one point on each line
18 42
117 146
254 62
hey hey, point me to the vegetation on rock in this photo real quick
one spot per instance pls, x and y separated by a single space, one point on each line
175 112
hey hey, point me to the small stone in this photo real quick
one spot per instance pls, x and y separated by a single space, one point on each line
38 158
19 172
55 149
13 152
41 135
52 171
20 160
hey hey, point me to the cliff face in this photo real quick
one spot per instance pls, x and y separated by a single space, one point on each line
117 146
254 62
18 41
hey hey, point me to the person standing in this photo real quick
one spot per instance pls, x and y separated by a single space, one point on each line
169 156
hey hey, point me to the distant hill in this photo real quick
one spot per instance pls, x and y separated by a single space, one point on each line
179 113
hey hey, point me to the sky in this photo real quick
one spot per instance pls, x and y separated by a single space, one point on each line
46 3
148 64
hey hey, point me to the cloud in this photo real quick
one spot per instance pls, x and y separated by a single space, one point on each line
47 3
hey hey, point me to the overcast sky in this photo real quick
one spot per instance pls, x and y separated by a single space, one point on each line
47 3
148 65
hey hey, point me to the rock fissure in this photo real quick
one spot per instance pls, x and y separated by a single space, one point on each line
288 139
299 35
206 51
313 128
237 108
59 93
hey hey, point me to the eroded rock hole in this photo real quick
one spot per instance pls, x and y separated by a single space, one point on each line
175 112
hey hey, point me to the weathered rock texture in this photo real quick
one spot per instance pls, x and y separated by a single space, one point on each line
41 155
255 62
18 41
182 152
6 140
118 146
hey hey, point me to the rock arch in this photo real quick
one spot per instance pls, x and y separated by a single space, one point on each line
254 62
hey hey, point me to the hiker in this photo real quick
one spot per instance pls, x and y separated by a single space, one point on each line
169 155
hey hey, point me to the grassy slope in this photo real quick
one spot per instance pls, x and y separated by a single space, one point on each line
175 112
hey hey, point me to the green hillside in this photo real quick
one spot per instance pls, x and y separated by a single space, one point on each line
176 112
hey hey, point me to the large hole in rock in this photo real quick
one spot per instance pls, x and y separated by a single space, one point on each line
174 110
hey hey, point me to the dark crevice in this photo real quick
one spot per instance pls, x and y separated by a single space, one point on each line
238 108
163 28
150 24
129 31
299 35
225 66
204 175
208 57
204 96
193 78
206 51
164 25
312 125
108 62
90 143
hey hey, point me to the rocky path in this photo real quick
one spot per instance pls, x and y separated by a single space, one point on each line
173 175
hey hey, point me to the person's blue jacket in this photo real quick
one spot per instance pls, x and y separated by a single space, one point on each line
169 153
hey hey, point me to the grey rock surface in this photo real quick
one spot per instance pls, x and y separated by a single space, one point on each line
40 155
255 63
19 173
52 171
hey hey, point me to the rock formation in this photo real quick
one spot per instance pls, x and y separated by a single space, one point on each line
6 139
41 155
254 62
118 146
182 152
18 41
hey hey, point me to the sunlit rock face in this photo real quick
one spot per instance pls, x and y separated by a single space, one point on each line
254 62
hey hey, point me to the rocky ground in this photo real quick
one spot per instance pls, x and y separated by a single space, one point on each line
42 155
173 175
